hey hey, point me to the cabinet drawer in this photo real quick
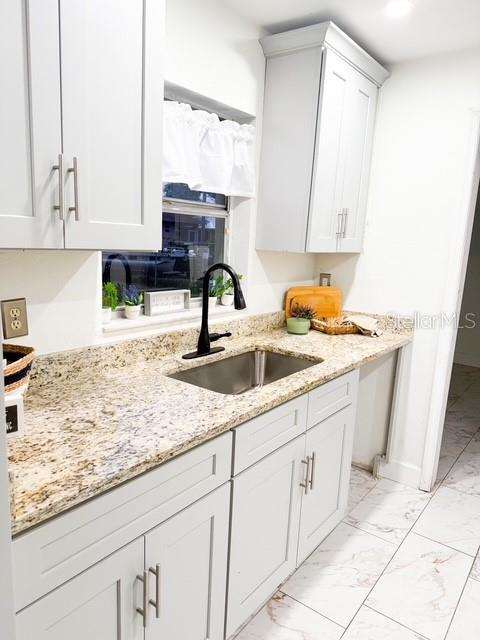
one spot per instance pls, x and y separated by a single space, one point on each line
260 436
56 551
331 397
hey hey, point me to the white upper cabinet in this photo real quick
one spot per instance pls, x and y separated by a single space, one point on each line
320 101
112 96
85 80
30 125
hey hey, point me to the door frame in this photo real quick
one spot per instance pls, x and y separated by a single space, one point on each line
457 268
7 609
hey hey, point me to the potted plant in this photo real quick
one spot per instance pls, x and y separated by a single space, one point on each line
299 323
213 293
226 291
109 301
132 299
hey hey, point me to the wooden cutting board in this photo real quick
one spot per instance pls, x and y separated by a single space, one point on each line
326 301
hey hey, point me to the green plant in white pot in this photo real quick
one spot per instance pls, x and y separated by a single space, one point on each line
213 293
299 323
225 288
132 299
109 301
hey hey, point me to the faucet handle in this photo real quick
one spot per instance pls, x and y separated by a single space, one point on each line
216 336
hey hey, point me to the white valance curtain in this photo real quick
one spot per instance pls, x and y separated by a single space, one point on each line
206 153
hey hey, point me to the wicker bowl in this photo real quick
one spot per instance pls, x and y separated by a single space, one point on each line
19 364
334 326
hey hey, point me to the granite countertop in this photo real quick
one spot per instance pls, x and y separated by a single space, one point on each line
95 425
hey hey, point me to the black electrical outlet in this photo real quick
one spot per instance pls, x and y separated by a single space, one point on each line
11 415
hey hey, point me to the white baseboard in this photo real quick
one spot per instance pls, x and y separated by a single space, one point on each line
467 360
397 471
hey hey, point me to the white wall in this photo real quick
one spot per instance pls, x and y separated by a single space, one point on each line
422 131
63 296
212 51
467 349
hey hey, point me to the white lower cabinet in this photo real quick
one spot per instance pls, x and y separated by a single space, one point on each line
99 604
170 583
186 559
185 552
264 530
287 503
329 453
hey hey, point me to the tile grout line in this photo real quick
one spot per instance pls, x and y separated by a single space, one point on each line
354 526
455 461
446 545
458 602
322 615
441 484
377 480
410 531
396 622
386 567
397 547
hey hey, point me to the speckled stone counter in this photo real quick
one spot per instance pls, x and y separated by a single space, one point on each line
98 417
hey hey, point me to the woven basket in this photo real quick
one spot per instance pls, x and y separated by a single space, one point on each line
334 326
19 364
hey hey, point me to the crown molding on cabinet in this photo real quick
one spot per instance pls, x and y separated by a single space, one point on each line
326 34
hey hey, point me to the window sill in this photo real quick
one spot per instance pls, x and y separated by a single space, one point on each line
181 319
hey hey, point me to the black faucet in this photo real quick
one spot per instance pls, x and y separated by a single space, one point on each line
205 338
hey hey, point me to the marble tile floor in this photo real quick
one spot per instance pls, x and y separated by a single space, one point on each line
403 564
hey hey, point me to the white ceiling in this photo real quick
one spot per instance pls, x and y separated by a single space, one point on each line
432 27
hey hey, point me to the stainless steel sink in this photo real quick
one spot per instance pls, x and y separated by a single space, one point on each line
245 371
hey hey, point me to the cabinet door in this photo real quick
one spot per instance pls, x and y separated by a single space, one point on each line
329 447
362 100
330 152
264 530
99 604
189 552
288 139
112 97
30 124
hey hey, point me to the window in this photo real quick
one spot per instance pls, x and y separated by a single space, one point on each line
173 192
193 238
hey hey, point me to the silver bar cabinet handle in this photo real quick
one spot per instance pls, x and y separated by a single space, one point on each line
76 207
312 471
60 206
143 578
340 224
344 229
306 484
156 603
